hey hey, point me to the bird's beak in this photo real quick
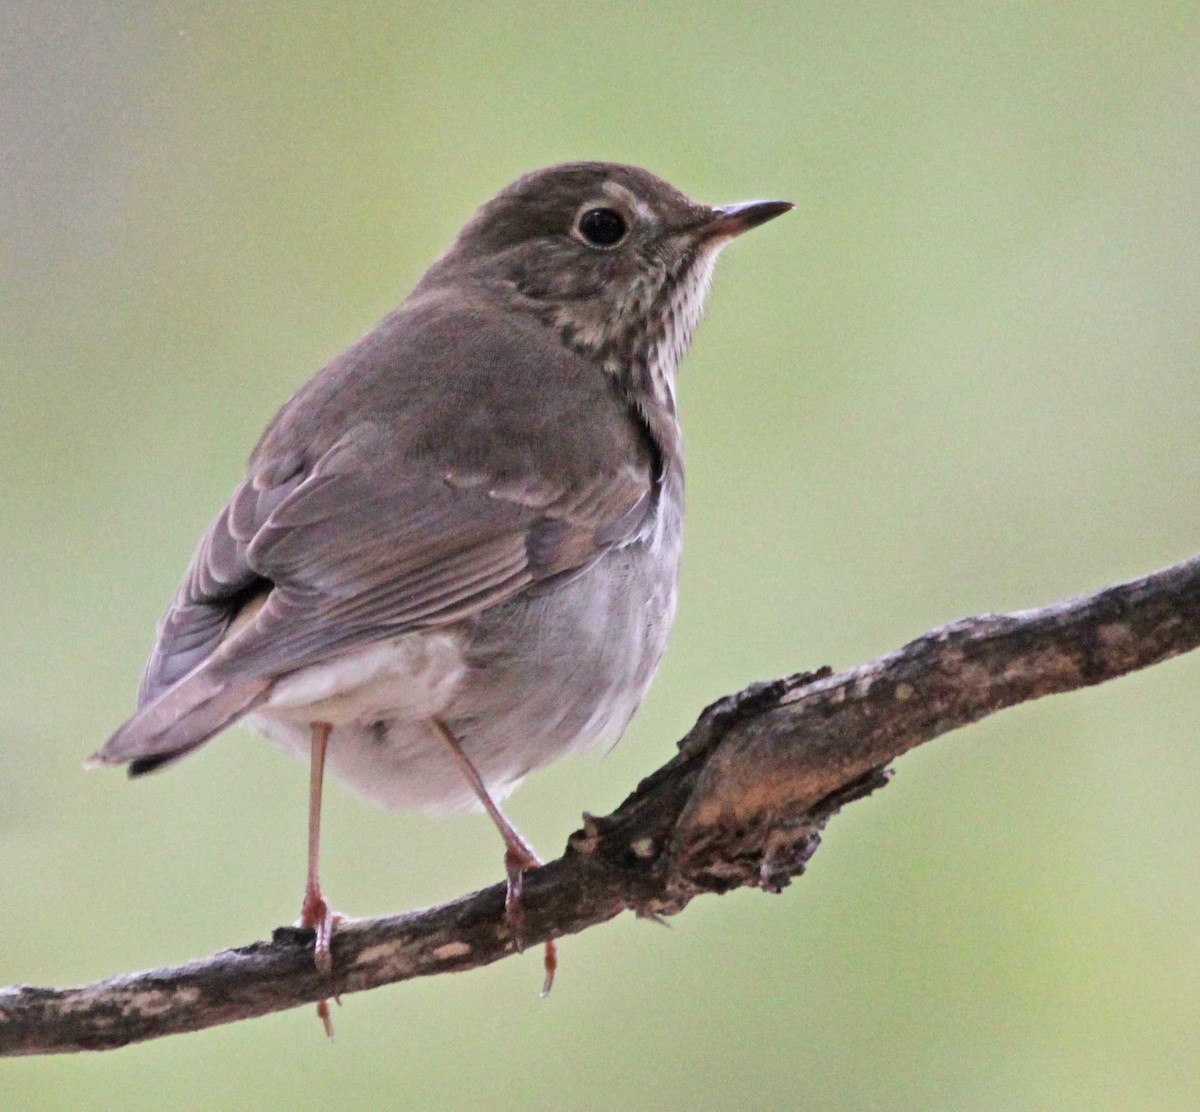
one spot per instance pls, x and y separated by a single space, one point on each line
731 220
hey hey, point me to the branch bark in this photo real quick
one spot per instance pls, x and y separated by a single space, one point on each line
743 803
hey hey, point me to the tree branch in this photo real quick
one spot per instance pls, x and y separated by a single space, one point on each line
742 804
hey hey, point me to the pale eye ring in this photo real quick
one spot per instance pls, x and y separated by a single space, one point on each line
602 227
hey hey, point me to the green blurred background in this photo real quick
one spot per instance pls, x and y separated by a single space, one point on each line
961 377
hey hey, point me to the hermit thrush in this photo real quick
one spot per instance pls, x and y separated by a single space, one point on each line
454 556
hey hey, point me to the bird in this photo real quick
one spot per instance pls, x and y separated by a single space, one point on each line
454 556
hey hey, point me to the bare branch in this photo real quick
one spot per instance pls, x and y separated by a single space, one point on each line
742 804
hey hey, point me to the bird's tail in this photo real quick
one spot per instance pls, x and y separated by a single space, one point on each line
181 719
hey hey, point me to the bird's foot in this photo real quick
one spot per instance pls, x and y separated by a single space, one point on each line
518 858
316 916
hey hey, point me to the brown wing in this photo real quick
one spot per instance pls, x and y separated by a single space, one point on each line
437 467
321 563
356 554
218 584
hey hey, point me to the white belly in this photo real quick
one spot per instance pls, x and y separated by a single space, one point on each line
380 700
412 677
521 684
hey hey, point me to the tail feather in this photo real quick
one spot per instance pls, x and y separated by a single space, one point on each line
140 766
181 719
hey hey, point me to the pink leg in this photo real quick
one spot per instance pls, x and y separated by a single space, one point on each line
314 911
518 854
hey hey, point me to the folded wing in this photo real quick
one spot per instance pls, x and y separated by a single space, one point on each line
307 562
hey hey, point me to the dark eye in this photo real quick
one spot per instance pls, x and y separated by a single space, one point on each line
602 227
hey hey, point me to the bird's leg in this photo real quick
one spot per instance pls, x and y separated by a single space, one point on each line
518 854
314 911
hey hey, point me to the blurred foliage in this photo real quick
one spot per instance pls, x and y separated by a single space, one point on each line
962 376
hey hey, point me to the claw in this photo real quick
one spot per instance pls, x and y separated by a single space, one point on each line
316 916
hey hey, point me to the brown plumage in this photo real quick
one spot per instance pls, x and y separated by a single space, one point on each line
455 551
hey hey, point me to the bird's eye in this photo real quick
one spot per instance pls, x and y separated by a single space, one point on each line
602 227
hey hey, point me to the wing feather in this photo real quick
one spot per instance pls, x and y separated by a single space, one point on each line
357 523
349 557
